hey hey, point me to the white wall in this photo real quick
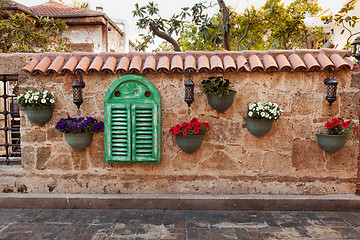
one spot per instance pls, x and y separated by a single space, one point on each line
86 34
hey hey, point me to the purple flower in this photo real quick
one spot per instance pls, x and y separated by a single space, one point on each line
79 125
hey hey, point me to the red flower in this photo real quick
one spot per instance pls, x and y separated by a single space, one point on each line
184 124
335 122
345 124
184 133
328 125
207 125
354 128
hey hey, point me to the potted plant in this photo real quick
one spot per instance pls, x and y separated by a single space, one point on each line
335 139
260 117
189 136
219 93
79 131
38 105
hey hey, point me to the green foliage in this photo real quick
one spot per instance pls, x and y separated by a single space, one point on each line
344 20
216 85
21 34
36 99
81 4
273 26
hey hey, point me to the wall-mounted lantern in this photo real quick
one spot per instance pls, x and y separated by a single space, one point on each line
331 84
356 52
77 90
189 92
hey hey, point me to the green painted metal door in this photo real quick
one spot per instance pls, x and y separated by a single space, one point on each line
132 121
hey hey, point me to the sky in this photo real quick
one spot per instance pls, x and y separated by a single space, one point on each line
122 9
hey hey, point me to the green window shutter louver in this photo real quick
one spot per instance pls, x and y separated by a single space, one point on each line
132 121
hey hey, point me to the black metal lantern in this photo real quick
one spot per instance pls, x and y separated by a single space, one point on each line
189 92
356 52
331 88
77 89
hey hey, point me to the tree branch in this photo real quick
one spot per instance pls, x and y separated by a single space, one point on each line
165 36
226 26
245 34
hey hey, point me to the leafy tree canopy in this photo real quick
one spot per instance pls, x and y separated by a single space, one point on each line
20 33
273 26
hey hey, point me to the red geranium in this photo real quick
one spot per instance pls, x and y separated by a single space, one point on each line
337 126
194 127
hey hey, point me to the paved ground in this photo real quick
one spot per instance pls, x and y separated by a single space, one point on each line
176 224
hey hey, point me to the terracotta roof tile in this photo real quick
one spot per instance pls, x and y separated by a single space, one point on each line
190 63
229 64
31 65
83 65
283 63
53 8
69 65
270 63
96 64
296 63
56 65
42 66
203 64
324 61
216 64
109 66
135 62
163 64
311 63
177 64
339 62
150 64
135 65
242 63
255 63
123 65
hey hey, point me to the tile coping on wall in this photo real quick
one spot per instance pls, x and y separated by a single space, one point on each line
194 61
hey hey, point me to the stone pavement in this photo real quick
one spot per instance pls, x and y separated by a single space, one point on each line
176 224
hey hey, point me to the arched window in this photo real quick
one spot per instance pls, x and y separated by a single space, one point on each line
132 121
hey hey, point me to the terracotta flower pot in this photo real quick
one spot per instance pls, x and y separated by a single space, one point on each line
222 103
79 141
189 144
259 127
331 143
39 116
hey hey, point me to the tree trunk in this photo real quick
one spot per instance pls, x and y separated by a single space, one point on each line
166 37
226 26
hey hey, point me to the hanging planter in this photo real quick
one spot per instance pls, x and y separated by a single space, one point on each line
259 127
220 103
189 144
79 141
261 116
189 136
338 130
331 143
38 105
79 131
219 93
39 116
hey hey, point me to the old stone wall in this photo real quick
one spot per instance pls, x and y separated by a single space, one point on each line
287 160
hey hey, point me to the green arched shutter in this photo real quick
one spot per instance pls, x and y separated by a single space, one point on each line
132 121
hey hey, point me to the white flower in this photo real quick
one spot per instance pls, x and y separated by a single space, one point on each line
251 107
52 100
250 114
262 114
27 96
36 97
43 100
270 117
267 115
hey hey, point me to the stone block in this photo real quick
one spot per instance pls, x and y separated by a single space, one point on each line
349 102
33 136
277 164
28 157
11 64
219 162
305 103
307 155
355 80
42 155
53 135
344 160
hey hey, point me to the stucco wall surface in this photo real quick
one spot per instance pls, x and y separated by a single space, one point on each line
287 160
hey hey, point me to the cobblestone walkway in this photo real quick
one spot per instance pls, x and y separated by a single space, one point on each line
176 224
